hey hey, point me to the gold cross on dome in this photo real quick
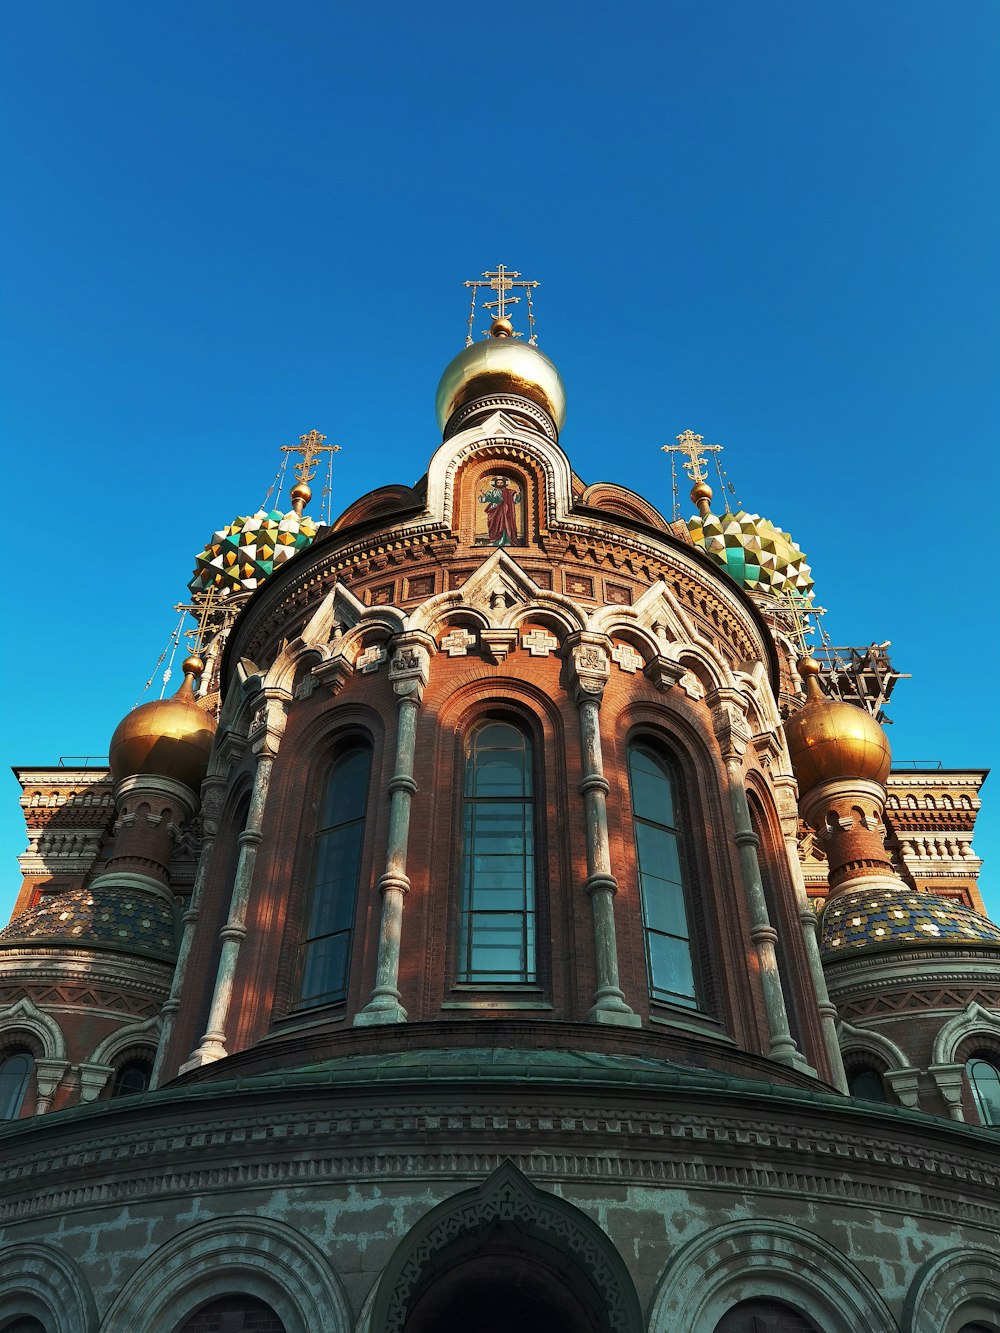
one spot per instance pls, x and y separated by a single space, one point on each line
501 280
691 444
310 446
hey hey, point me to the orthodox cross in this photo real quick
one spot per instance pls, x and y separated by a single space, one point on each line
502 281
310 446
690 444
202 606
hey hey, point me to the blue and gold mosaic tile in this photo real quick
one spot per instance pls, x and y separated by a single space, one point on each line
900 918
109 918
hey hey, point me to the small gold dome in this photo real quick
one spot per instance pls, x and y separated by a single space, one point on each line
502 365
828 739
171 738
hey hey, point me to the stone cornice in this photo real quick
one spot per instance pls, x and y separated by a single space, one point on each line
312 1131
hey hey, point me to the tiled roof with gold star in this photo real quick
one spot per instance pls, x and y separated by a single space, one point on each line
899 919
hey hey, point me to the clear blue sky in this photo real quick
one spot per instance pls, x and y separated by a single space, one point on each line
227 223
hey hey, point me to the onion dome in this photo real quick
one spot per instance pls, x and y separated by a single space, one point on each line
109 917
501 365
900 918
241 555
829 739
169 738
753 552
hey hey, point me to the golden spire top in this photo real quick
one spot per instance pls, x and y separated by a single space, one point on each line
502 281
809 669
694 465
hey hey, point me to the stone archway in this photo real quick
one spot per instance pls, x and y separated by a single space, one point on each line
506 1255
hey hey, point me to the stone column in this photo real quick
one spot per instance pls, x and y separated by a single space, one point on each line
785 792
151 812
266 730
733 735
212 790
589 668
408 671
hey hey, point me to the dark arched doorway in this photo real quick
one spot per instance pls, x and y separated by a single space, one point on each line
504 1256
494 1284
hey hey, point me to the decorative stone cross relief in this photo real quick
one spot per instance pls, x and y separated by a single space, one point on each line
371 659
627 658
539 643
458 642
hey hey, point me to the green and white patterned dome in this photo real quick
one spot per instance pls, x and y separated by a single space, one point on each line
753 552
240 556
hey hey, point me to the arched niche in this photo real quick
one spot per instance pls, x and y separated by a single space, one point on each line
506 1255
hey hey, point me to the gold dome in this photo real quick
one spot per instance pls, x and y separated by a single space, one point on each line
501 364
828 739
171 738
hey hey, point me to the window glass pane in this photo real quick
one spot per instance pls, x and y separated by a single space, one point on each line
347 789
670 967
867 1084
336 863
659 852
14 1075
664 904
496 941
324 967
652 795
985 1081
131 1079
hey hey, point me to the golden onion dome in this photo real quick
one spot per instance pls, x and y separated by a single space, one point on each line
501 365
829 739
169 738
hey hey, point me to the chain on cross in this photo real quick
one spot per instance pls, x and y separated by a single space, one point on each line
310 446
691 444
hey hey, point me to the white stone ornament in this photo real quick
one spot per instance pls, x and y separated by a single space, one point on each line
371 659
539 643
627 658
458 642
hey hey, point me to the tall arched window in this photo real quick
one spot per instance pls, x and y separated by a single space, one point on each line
497 924
663 877
325 951
15 1075
984 1079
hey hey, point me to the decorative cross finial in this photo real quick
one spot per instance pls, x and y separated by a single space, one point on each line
690 444
502 280
202 606
310 446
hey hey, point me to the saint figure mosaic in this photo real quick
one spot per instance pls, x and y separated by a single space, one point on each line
499 520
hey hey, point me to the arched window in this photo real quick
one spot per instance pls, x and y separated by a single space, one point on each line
131 1078
984 1079
497 922
233 1314
866 1083
15 1074
325 951
764 1316
26 1323
663 877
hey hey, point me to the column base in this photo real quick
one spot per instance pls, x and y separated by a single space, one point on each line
623 1017
374 1014
203 1056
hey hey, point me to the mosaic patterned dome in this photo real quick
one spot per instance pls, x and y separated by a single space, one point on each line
899 919
753 552
241 555
108 918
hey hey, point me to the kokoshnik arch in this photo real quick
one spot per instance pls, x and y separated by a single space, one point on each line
507 924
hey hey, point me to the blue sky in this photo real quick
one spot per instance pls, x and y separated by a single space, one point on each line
227 223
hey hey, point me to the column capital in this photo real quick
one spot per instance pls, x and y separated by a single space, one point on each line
409 667
588 664
267 725
729 722
664 673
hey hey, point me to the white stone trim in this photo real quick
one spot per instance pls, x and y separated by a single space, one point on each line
147 1034
874 1043
957 1288
972 1021
740 1260
37 1279
26 1017
253 1255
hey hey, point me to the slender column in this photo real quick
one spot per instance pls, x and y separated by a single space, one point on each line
265 736
211 804
784 791
733 736
408 672
589 670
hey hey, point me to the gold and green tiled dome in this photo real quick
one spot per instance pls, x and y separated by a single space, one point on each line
890 918
120 919
241 555
753 552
